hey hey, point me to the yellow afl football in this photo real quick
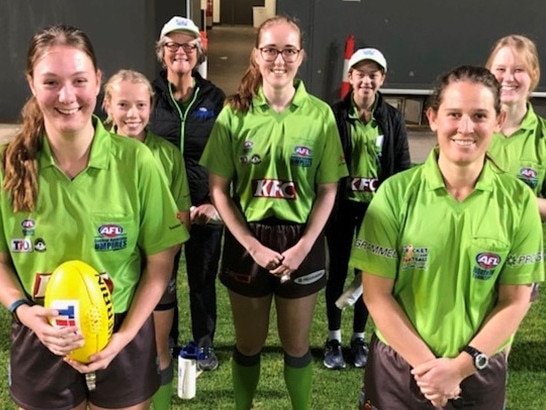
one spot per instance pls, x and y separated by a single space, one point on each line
83 299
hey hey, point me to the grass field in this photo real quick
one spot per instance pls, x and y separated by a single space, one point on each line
336 390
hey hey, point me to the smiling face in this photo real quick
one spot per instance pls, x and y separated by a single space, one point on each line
65 84
464 122
513 74
179 62
280 36
129 107
366 78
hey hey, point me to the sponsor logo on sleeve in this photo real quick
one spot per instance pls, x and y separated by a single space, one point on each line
528 259
376 249
274 188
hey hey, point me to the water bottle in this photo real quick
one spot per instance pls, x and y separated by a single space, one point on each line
187 372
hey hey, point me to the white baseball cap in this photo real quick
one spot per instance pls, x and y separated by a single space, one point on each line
178 23
368 54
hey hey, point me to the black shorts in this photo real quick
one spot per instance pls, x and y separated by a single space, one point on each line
40 380
242 275
389 385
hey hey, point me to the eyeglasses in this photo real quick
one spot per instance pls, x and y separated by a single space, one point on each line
289 55
173 47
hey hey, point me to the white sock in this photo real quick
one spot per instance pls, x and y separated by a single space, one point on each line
356 335
334 334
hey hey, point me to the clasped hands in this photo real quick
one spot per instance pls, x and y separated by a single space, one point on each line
439 380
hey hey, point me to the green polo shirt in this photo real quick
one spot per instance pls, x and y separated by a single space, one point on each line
523 154
366 145
114 212
276 160
446 257
171 161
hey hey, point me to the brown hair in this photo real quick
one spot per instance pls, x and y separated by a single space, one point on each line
130 76
473 74
19 162
252 79
526 49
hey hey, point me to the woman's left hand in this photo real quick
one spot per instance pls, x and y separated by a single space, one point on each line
292 259
102 359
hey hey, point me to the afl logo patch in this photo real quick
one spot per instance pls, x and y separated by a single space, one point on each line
528 173
110 230
247 146
488 260
302 151
28 224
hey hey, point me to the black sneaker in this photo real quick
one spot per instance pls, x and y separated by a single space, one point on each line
333 356
209 360
359 352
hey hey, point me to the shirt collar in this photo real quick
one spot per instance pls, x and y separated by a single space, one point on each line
100 146
434 179
530 120
259 101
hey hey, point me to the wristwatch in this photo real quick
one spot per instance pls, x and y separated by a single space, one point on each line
480 360
15 305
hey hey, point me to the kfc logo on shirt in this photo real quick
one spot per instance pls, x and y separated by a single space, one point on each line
273 188
364 184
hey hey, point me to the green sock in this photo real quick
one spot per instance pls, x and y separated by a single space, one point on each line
162 397
245 371
298 375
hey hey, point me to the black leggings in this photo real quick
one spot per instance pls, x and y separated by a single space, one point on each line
342 227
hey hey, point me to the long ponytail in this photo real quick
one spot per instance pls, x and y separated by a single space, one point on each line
20 162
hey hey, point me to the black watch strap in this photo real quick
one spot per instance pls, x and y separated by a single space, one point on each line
480 360
15 305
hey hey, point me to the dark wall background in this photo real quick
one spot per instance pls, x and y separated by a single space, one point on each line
238 11
123 33
420 39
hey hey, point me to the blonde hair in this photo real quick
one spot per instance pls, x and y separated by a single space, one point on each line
252 79
525 48
131 76
20 162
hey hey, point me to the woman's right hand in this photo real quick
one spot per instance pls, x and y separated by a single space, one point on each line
266 257
60 341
